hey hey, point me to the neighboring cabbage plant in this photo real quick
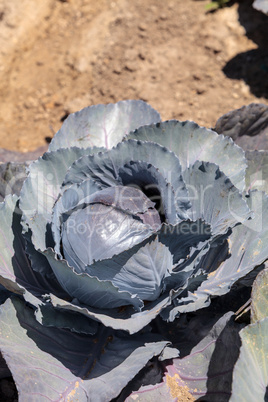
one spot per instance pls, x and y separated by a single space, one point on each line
123 225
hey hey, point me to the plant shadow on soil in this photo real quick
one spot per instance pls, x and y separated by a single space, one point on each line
252 65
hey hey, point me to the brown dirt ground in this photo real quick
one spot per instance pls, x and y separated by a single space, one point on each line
57 56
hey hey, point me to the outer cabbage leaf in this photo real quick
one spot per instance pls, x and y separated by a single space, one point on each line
48 316
257 171
120 319
172 389
192 143
103 125
261 5
259 297
16 273
41 189
55 364
250 377
205 373
248 248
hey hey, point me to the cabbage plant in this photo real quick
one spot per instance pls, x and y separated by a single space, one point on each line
123 228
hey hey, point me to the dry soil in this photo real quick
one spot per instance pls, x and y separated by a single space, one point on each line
58 56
